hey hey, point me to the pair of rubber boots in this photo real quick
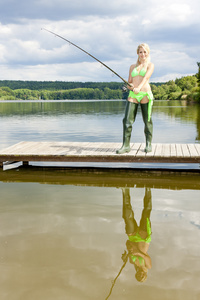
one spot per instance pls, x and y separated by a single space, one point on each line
129 119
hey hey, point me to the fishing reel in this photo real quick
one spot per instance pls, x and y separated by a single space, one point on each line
124 89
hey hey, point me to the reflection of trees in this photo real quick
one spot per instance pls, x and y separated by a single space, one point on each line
178 110
198 80
64 107
198 108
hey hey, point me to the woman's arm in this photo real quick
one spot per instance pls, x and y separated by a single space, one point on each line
130 78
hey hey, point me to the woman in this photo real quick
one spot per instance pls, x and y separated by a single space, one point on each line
140 92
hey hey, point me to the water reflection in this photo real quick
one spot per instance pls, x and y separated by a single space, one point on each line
139 237
62 234
198 123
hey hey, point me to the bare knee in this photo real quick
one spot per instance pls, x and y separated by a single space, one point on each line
144 100
133 100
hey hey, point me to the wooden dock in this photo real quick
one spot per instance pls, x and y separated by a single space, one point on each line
99 152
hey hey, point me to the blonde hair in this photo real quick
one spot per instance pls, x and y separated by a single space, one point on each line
146 47
141 275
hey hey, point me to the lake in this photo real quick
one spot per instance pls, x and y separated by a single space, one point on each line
63 230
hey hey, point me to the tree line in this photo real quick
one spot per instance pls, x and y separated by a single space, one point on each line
57 85
72 94
187 87
184 88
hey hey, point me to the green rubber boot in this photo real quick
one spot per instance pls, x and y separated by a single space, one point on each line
129 119
148 127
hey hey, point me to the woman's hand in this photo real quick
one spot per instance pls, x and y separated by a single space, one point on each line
136 90
130 86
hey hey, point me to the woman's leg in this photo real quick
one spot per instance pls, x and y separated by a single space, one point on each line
129 119
128 214
148 126
147 208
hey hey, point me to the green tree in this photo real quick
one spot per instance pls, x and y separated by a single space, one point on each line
6 93
198 81
187 82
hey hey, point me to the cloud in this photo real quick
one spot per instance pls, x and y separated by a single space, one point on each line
62 9
109 30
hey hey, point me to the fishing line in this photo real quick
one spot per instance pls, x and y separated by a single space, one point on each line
70 43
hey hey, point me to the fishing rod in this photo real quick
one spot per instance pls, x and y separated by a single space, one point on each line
114 281
87 54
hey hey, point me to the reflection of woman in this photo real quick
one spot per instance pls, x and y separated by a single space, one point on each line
139 237
140 92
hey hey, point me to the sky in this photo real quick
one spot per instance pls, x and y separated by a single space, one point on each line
109 30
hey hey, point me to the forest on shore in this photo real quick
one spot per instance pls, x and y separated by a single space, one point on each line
187 88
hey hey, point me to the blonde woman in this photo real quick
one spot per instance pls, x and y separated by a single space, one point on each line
140 92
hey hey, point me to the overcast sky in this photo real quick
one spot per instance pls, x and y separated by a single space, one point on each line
109 29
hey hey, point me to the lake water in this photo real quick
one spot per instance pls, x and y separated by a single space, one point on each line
62 234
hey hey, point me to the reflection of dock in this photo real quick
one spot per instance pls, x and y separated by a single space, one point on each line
99 152
104 177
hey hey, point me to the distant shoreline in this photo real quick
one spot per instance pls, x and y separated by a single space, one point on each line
185 88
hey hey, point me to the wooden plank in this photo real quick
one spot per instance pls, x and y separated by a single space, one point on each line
90 149
192 150
51 149
82 149
134 149
114 147
55 148
10 163
185 150
179 151
173 151
9 150
152 153
159 150
197 147
74 148
109 148
101 149
33 148
166 150
140 152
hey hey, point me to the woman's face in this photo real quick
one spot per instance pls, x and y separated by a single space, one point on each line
143 54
